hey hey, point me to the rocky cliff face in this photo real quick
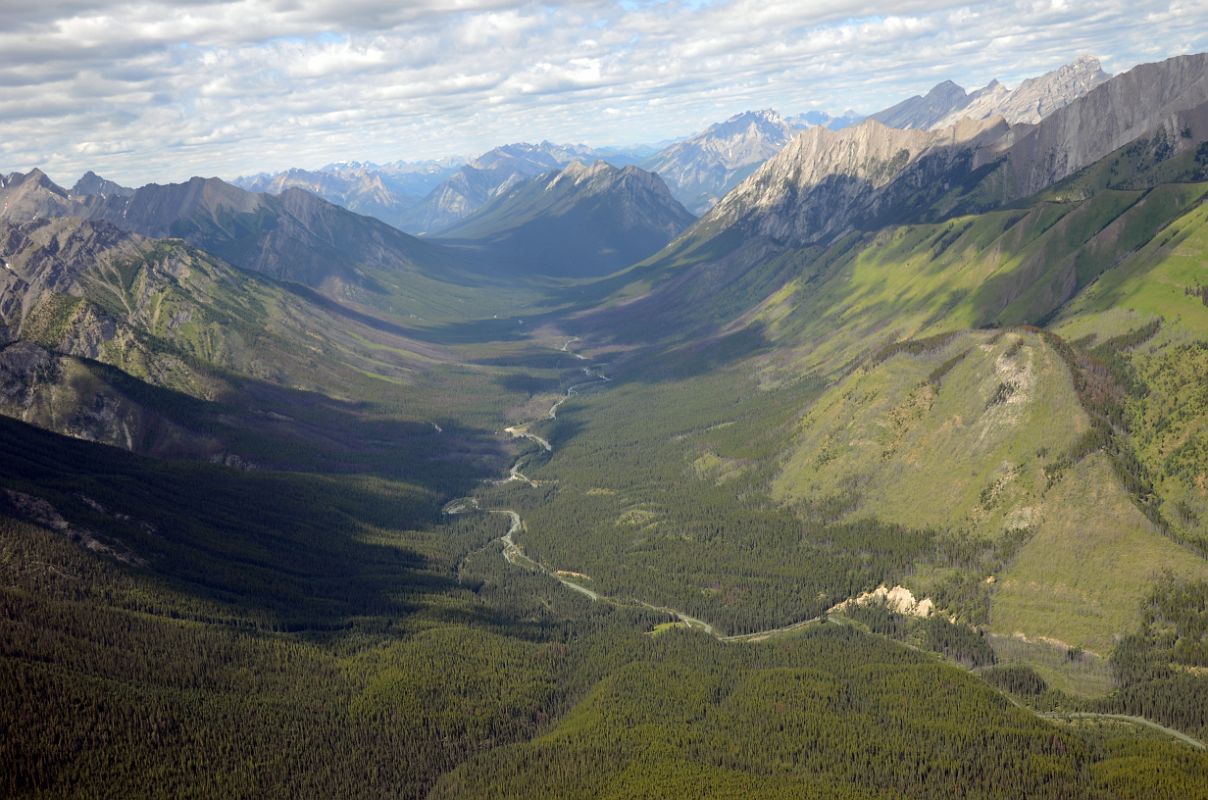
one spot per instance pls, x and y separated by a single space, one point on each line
1035 98
1131 105
922 112
825 181
701 169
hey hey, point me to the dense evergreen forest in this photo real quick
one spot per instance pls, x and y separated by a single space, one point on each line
342 642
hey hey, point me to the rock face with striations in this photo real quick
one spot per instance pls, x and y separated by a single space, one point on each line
1035 98
701 169
922 112
1131 105
824 181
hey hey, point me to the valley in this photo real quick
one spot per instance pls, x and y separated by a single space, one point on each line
886 475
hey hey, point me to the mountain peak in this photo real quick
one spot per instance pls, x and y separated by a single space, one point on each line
92 185
580 170
702 168
946 88
924 111
37 178
766 114
582 219
766 119
1035 98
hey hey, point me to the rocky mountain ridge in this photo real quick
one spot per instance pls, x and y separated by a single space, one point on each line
491 175
295 236
1035 98
701 169
823 181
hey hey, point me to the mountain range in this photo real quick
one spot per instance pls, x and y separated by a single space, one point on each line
817 187
428 197
294 236
383 191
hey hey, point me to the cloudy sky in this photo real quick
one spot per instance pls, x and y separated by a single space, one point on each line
161 90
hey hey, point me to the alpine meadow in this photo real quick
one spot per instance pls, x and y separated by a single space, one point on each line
746 419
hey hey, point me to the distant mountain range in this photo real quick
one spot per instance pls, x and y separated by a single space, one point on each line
490 175
383 191
702 168
582 220
427 197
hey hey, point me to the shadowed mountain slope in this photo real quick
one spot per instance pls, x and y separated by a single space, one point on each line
581 221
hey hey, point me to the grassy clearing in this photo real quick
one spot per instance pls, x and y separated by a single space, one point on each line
1081 577
1084 675
965 449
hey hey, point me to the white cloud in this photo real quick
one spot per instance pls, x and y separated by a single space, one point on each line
156 90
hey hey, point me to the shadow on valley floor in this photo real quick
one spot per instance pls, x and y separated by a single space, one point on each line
542 358
511 328
289 551
284 428
524 383
340 310
266 426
